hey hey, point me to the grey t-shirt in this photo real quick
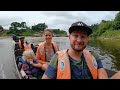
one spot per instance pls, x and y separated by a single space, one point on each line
49 55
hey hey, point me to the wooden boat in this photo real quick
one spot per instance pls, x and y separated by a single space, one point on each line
18 53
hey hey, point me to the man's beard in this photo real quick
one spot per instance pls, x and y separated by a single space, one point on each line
80 50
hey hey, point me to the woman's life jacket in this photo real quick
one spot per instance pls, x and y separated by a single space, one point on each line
40 55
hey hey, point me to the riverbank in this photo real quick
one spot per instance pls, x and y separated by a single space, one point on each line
4 37
109 49
106 38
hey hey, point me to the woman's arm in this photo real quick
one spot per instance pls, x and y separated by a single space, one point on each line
42 62
38 65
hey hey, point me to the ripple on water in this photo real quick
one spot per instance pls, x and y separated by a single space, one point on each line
2 74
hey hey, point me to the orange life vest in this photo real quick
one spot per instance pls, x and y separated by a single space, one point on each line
26 47
20 44
63 69
40 54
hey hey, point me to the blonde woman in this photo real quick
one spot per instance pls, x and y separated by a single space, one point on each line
46 49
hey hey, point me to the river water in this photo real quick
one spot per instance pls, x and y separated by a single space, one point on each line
7 60
109 56
109 50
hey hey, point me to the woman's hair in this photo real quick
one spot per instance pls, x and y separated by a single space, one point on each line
28 53
48 31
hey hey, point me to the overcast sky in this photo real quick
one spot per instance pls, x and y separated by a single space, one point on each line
55 19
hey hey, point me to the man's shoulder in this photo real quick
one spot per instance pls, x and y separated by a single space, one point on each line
94 54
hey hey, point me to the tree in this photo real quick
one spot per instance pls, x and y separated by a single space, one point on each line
94 27
15 24
23 24
1 28
58 32
116 23
16 28
39 27
102 28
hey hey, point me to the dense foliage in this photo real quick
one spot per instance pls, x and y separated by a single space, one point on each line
107 29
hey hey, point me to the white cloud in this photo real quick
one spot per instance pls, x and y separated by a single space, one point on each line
55 19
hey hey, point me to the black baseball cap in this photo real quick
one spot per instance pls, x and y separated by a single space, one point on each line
80 26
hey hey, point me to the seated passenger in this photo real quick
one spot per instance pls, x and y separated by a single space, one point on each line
46 49
30 65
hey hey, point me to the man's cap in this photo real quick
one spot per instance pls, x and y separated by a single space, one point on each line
80 26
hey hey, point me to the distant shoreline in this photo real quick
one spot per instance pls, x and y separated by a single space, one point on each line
104 38
4 37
